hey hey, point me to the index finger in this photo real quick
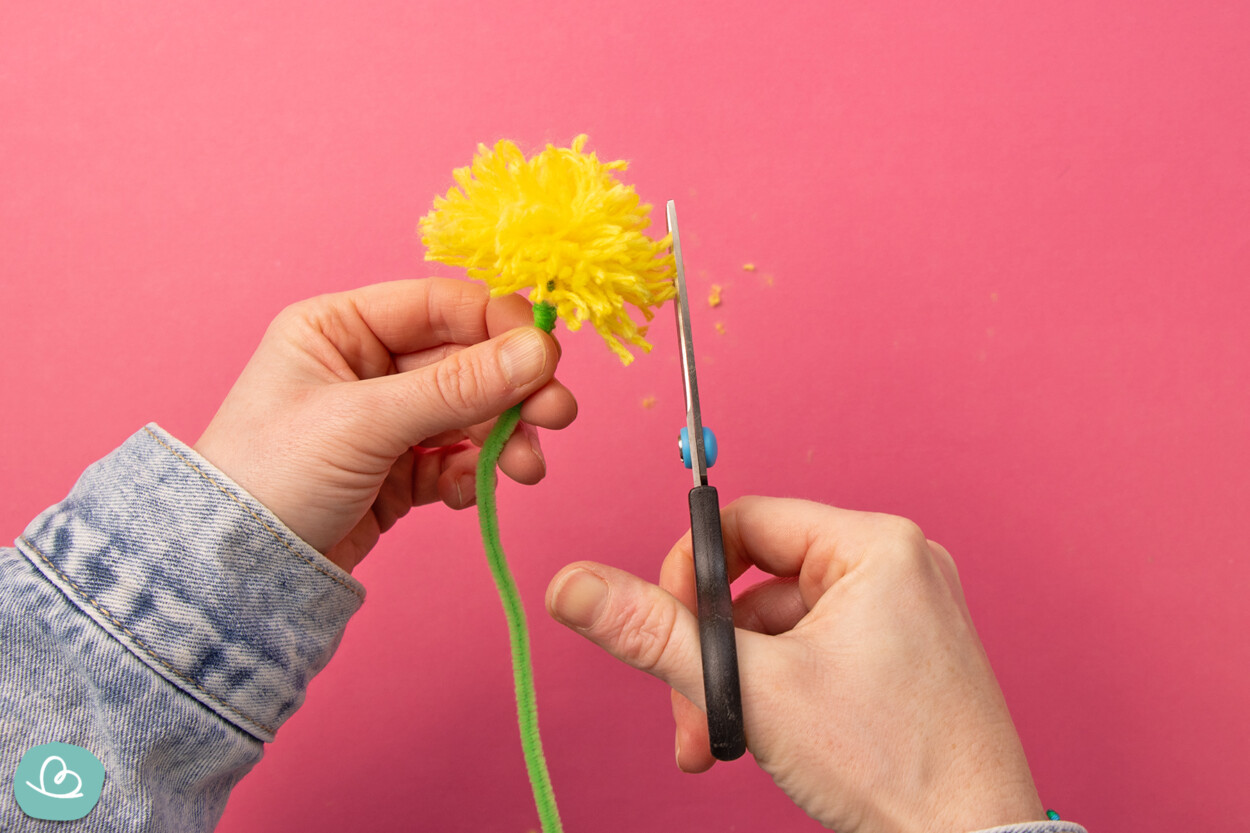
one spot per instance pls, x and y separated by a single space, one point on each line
415 315
782 537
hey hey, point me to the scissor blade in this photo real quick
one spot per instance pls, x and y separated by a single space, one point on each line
694 422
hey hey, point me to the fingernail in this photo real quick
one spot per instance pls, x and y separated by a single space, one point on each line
523 356
532 433
580 598
466 489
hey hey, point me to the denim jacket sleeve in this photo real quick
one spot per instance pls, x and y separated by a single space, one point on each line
164 620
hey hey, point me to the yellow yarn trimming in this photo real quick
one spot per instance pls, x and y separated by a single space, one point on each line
561 225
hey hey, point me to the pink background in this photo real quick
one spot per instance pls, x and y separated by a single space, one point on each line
1000 290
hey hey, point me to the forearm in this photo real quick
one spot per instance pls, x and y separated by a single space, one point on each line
164 620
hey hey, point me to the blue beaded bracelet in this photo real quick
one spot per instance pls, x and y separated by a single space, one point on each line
1052 815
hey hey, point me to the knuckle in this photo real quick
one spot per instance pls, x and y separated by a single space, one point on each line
942 555
304 309
902 540
319 314
645 635
289 317
458 380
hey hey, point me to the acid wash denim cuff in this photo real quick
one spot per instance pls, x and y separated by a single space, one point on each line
1038 827
164 620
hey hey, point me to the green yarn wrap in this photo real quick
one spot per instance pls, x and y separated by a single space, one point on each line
518 633
544 316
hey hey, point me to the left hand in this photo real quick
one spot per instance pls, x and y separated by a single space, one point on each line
360 405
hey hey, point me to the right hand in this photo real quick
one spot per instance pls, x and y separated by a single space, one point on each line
867 695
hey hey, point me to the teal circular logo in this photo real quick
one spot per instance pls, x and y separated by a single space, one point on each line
58 782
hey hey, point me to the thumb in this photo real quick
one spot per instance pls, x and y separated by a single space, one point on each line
634 621
465 388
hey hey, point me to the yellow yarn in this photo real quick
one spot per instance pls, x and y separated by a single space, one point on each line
562 225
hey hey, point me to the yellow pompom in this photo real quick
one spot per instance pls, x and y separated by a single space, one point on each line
561 225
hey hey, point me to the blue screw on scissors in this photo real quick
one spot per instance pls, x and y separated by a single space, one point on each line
721 689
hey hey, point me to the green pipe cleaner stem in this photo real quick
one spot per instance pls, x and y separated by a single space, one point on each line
518 633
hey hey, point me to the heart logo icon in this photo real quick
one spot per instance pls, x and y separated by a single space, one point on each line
57 779
58 782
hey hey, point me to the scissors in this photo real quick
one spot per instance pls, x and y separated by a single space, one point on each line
721 689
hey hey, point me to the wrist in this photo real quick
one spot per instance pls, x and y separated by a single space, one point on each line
1006 803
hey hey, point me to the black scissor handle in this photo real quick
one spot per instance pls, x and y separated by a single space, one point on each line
716 627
